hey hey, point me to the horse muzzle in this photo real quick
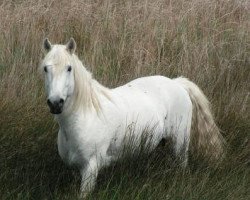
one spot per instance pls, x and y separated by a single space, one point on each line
56 106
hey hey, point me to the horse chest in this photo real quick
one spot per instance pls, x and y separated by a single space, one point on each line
69 150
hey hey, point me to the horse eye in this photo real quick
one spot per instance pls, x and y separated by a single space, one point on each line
69 69
45 69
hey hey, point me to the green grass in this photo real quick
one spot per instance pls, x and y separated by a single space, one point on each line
206 41
32 168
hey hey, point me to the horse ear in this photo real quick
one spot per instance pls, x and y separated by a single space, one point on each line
71 46
47 45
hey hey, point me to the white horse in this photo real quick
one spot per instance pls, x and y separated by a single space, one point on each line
93 119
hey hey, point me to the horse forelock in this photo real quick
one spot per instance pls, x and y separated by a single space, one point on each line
58 57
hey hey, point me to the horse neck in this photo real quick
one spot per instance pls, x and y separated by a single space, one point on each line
67 120
88 92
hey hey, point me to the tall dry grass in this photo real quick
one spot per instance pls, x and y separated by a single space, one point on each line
119 40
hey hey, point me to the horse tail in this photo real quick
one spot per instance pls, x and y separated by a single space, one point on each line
206 139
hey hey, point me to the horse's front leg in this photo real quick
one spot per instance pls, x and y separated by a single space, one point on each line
89 175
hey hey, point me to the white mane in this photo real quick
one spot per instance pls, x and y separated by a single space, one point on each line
87 90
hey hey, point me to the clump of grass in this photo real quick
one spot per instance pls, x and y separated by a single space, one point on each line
206 41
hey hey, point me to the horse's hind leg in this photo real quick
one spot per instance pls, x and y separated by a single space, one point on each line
181 146
181 153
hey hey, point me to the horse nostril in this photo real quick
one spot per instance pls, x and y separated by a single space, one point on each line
49 102
61 101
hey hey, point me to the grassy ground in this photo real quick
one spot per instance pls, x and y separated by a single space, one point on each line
207 41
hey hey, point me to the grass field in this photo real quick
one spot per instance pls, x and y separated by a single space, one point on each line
207 41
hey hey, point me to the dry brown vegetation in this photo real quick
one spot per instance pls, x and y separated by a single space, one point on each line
119 40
